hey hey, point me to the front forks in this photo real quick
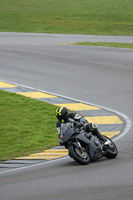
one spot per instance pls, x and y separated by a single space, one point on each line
80 147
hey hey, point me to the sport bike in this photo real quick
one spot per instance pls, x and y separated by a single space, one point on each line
83 146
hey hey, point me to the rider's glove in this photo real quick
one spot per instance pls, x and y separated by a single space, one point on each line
78 125
90 127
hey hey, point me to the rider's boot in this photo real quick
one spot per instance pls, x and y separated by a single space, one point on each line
101 137
93 128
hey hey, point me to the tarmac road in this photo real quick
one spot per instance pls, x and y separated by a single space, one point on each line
99 75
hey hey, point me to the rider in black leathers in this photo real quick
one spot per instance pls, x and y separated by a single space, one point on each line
63 116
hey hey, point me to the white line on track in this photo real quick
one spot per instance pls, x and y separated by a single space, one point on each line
33 165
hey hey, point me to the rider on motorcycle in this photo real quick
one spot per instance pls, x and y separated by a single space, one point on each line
63 116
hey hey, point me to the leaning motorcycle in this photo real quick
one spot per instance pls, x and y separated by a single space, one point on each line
83 146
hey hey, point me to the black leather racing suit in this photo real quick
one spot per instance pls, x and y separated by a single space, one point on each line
87 126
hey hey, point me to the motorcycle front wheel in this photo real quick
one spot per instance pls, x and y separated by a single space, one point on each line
82 157
111 149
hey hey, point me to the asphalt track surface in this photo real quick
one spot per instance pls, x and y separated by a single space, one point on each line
99 75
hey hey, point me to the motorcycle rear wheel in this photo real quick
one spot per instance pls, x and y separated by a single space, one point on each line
80 157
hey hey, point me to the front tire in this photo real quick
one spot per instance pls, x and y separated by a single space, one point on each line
111 149
82 158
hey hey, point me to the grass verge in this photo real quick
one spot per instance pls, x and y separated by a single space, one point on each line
26 126
106 44
102 17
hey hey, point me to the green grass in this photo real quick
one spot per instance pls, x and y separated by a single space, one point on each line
99 17
106 44
26 126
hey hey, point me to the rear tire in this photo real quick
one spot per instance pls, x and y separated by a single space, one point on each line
81 158
111 149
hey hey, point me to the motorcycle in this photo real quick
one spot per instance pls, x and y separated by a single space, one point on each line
83 146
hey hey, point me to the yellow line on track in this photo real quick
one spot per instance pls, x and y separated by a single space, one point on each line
78 106
6 85
110 134
104 120
49 154
64 43
37 95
